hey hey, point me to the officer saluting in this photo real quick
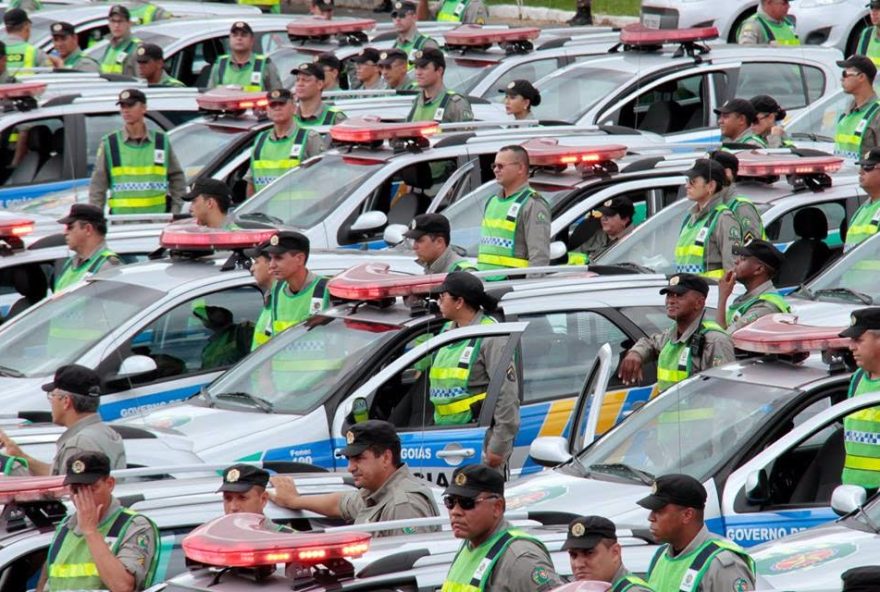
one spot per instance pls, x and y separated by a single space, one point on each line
692 559
756 264
595 555
616 218
430 234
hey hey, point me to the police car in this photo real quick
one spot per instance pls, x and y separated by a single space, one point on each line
816 126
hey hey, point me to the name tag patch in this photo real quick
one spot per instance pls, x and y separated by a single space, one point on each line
159 156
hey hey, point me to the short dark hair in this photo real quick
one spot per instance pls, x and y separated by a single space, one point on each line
100 227
222 204
444 235
84 403
379 450
521 155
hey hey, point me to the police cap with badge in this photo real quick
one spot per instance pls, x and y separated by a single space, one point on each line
429 55
310 69
240 478
75 379
472 480
373 432
388 57
131 96
63 29
82 212
428 224
618 205
148 52
681 283
681 490
861 320
86 468
367 54
288 241
587 531
402 8
764 251
279 95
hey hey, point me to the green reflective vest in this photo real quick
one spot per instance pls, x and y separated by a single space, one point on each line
472 568
35 5
274 6
114 58
628 582
9 463
734 313
497 248
863 225
249 78
430 110
21 58
850 129
675 362
452 11
862 437
273 157
411 45
72 274
138 174
782 33
739 204
70 564
288 310
144 14
686 571
869 45
262 328
72 60
326 117
449 376
690 250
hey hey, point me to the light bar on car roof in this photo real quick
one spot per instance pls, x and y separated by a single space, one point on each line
781 334
361 130
31 489
316 27
239 540
15 228
373 281
187 236
752 164
549 152
228 99
477 36
20 90
639 35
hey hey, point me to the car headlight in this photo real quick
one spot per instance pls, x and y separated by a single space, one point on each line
814 3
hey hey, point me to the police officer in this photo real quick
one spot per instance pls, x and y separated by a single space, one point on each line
157 171
756 263
85 231
616 217
771 25
333 69
242 67
858 128
409 39
263 277
119 57
735 119
21 55
467 12
689 346
869 42
102 546
866 220
595 555
393 65
462 371
144 13
283 147
244 491
210 201
430 235
710 230
387 490
322 9
750 223
367 73
520 97
66 43
768 122
5 76
436 102
298 293
692 558
311 110
74 394
515 231
267 6
861 579
862 463
151 66
494 555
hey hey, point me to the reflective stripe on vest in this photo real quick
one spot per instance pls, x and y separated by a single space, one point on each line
21 58
865 223
850 129
327 117
449 376
272 158
685 572
249 78
782 33
497 248
869 45
735 313
262 328
452 11
862 437
138 174
472 568
690 251
675 362
114 58
627 582
71 274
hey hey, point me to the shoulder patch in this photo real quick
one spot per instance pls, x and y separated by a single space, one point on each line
740 585
540 575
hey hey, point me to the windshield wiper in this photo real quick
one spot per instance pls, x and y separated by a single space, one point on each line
860 296
804 291
812 137
262 217
612 468
259 402
868 521
11 372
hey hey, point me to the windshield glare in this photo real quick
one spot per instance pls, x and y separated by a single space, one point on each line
858 271
691 429
567 96
198 144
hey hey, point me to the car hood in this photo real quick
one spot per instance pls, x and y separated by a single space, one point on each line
821 313
21 394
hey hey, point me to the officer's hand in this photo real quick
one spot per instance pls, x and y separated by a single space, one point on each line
88 512
494 460
12 449
630 371
725 286
777 130
285 493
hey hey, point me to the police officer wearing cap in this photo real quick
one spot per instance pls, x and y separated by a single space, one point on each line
387 490
861 579
66 44
22 55
866 220
259 269
756 264
435 101
244 491
735 119
333 69
74 394
119 57
209 203
862 429
367 73
298 293
144 13
137 166
691 345
85 232
771 25
394 67
409 39
616 218
750 223
311 110
519 98
869 42
595 555
710 230
242 67
467 12
102 546
494 555
858 128
151 66
461 371
430 241
692 558
768 122
322 8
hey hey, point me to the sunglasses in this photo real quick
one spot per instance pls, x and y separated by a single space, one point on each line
868 167
465 503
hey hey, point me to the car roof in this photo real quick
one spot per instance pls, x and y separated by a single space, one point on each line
769 370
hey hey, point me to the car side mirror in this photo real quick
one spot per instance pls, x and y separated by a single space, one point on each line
136 365
757 490
549 451
369 222
847 498
558 250
393 234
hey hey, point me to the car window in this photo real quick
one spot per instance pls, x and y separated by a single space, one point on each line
23 573
98 126
821 120
21 286
532 70
782 229
587 225
570 94
782 81
33 152
674 106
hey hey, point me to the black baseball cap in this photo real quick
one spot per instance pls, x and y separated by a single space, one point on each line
241 26
373 432
62 29
462 285
119 10
84 212
86 468
15 17
861 320
258 251
726 159
741 106
388 57
619 204
429 55
241 477
288 240
682 282
870 157
873 4
862 64
329 60
767 104
312 69
472 480
587 531
763 251
402 7
710 170
367 54
678 489
210 187
149 51
323 5
279 95
130 96
865 578
427 224
75 379
524 89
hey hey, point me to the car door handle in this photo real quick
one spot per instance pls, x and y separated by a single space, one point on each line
463 452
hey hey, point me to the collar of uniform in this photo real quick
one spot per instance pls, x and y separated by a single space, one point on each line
442 263
111 509
12 38
767 16
409 38
853 107
762 289
239 65
290 131
625 232
310 277
377 497
745 133
503 525
80 260
621 573
692 328
698 540
128 138
478 318
121 41
697 212
515 191
318 113
89 420
426 101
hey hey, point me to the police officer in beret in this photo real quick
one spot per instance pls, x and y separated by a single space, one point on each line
519 98
692 558
615 217
367 73
394 65
66 44
435 102
430 236
865 578
151 66
85 232
861 429
756 264
244 490
494 555
210 200
74 395
595 555
102 546
387 490
409 39
691 345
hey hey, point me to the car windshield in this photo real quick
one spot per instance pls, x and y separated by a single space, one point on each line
198 143
306 195
651 244
68 325
692 428
296 371
463 75
855 278
819 122
568 95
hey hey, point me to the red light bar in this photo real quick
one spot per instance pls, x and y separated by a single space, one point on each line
16 228
187 236
636 34
372 129
315 27
475 35
230 99
373 281
31 489
752 164
548 152
781 334
239 540
19 90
